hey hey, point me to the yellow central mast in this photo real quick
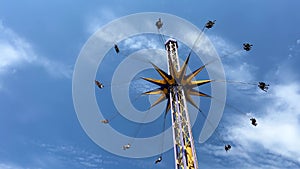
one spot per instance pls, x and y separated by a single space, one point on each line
177 88
184 149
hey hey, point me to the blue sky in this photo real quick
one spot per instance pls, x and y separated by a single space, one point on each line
39 45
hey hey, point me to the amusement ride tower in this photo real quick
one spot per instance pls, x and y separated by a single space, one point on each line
177 88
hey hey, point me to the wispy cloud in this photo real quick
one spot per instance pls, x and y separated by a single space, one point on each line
226 48
17 51
9 166
82 158
275 139
240 72
232 57
274 142
78 157
143 42
294 49
102 17
287 66
14 50
240 75
281 117
55 69
48 156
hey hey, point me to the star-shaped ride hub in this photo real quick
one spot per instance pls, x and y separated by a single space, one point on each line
176 78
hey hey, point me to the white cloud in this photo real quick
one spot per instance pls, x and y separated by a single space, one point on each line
55 69
14 50
142 42
78 157
5 166
274 143
225 48
60 156
17 51
239 72
278 130
9 166
232 58
102 17
82 158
